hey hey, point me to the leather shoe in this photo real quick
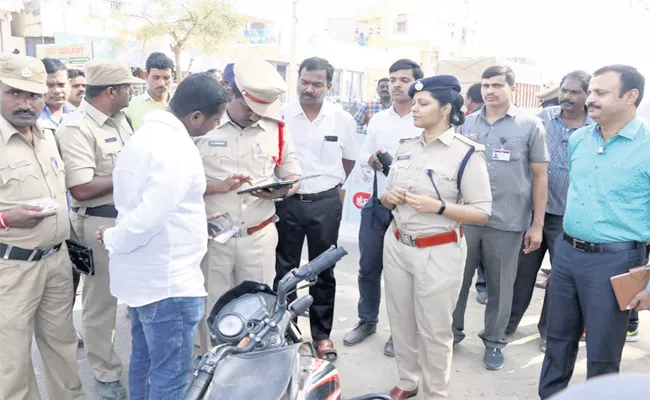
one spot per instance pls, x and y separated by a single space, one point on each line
111 390
399 394
389 349
359 333
80 340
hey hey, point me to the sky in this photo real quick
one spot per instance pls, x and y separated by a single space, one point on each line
560 35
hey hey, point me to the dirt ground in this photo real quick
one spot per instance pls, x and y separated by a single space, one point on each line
365 369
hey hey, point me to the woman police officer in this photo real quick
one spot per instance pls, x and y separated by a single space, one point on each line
438 181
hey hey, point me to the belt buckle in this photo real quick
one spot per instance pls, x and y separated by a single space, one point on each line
303 199
576 242
407 239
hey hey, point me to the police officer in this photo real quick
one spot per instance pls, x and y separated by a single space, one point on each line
35 274
250 147
438 181
90 141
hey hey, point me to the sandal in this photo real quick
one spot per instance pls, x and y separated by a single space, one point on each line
325 350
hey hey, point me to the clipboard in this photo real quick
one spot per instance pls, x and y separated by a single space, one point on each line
627 286
276 185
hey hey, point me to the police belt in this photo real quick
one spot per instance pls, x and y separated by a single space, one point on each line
259 227
309 197
9 252
106 211
429 240
587 247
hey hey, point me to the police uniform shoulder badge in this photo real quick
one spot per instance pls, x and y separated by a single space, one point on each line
468 141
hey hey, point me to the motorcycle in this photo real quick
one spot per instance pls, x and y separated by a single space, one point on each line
258 351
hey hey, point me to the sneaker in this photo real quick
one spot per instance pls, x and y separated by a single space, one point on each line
482 298
389 348
493 359
359 333
111 390
633 336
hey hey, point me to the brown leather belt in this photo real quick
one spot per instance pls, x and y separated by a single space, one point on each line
263 225
428 241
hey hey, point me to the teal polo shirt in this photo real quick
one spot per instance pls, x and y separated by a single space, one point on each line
609 190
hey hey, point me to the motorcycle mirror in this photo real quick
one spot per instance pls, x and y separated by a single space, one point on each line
299 306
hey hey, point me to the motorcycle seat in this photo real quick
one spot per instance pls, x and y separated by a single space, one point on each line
264 375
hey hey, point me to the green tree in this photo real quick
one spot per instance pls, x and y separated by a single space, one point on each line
199 24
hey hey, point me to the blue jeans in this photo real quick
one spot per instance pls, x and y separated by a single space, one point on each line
371 246
162 340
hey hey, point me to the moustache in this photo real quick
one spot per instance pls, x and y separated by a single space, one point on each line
308 95
25 112
594 106
567 102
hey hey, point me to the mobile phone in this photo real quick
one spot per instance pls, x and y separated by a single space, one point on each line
220 224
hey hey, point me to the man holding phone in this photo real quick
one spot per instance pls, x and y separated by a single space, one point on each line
249 147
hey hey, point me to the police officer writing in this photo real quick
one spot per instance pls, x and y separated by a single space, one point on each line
35 273
437 182
90 142
250 146
606 228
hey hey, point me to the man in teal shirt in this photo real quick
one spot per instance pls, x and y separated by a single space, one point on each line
159 78
606 225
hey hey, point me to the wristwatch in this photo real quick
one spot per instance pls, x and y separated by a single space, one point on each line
443 205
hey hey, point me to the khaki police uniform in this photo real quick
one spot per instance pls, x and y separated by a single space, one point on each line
422 283
35 274
90 143
252 151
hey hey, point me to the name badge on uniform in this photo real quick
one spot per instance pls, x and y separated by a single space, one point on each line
111 140
404 157
217 143
501 155
18 164
331 138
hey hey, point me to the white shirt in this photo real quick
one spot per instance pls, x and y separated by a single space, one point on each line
161 233
322 144
386 130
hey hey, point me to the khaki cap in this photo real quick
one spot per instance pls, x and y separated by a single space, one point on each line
108 72
23 73
260 84
548 94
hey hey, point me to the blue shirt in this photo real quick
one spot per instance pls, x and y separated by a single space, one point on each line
46 116
558 167
609 193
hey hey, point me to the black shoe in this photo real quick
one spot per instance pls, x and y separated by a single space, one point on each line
482 298
80 340
359 333
389 349
493 359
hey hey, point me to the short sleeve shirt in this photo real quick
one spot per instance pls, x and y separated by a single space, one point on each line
511 144
90 142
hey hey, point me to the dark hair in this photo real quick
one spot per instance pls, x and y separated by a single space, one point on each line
159 61
213 71
93 91
73 73
317 64
474 93
631 78
198 92
407 64
581 76
382 80
52 65
500 70
452 97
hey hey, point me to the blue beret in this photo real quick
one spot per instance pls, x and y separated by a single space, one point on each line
228 74
433 83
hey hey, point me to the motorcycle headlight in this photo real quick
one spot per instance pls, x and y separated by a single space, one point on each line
231 326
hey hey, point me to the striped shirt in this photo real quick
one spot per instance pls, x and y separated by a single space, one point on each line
558 168
366 112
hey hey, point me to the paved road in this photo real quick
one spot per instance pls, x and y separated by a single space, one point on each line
364 368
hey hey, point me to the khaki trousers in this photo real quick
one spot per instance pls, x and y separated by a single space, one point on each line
98 307
247 258
35 302
422 287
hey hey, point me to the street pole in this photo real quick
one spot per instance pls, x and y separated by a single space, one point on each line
292 78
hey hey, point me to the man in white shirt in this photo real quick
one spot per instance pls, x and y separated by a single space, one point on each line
160 237
386 130
325 140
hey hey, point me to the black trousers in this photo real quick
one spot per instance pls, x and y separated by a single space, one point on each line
76 278
527 270
319 221
581 296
